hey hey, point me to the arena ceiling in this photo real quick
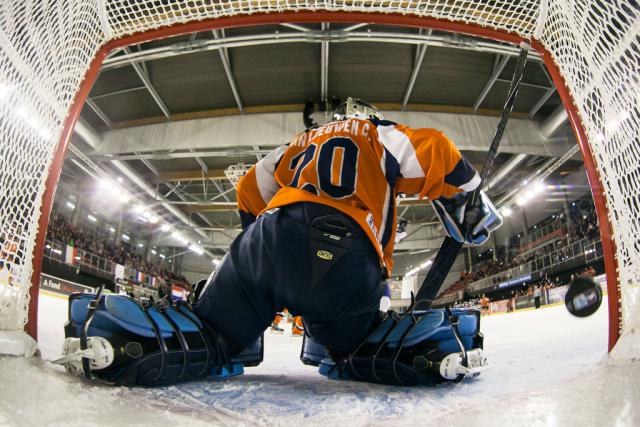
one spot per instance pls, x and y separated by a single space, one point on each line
277 69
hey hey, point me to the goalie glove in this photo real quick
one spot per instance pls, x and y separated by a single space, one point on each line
456 216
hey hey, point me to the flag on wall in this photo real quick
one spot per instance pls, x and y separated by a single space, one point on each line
71 255
139 277
177 292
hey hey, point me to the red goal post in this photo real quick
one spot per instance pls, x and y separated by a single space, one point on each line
512 22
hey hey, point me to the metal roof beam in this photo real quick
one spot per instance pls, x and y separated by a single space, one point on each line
227 191
185 155
296 27
549 166
354 27
543 100
175 189
190 175
224 57
522 135
147 82
525 84
422 49
492 80
314 36
118 92
92 138
99 112
205 170
554 121
324 66
501 173
258 155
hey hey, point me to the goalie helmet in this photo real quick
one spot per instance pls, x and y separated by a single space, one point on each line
356 108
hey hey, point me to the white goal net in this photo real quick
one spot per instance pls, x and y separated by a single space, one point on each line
48 50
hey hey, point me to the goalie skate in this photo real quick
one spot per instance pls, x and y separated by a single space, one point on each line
452 368
100 354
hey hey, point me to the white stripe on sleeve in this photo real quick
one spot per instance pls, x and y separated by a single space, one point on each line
400 146
471 185
265 170
385 207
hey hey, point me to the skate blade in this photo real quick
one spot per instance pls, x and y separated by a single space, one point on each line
71 358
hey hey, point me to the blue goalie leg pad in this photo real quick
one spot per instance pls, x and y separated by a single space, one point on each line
418 347
236 369
145 343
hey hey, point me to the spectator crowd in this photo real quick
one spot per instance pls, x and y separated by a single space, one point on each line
581 224
527 290
102 244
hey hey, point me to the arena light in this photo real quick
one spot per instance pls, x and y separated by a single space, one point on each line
140 245
126 237
112 230
215 262
538 187
507 211
197 249
70 205
153 219
165 227
153 251
114 190
92 218
426 264
162 256
180 238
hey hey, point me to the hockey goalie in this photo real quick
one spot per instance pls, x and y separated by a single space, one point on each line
319 219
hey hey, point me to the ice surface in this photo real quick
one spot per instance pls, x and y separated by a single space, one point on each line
548 369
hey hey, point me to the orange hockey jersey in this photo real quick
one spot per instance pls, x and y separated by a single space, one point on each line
358 167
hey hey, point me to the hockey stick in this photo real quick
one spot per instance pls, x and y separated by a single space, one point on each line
450 249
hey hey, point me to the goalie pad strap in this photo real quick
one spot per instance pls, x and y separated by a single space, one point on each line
171 344
408 349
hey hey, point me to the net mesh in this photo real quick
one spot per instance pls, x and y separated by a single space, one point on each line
46 47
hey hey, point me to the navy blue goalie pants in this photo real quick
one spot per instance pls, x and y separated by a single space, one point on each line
307 257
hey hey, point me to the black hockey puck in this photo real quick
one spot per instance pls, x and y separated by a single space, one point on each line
583 297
